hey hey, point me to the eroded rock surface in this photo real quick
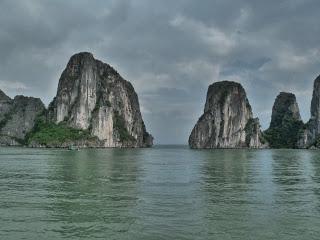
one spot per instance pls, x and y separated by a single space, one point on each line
309 136
227 121
17 118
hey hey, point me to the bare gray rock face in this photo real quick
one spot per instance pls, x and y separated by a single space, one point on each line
17 118
227 121
93 96
311 131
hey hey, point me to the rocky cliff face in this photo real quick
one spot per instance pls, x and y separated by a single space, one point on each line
93 96
17 117
285 122
5 105
310 134
227 121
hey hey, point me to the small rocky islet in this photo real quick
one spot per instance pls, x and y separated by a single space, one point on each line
227 121
286 124
95 107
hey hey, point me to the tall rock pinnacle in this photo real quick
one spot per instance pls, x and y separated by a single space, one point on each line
227 121
285 122
93 96
311 131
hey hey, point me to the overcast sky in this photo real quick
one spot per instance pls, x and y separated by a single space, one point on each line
169 50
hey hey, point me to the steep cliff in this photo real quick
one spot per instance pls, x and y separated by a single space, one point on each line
17 118
309 136
286 123
5 105
93 97
227 121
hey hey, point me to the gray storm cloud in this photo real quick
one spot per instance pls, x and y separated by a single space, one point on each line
170 51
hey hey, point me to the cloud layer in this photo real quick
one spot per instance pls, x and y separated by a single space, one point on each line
170 50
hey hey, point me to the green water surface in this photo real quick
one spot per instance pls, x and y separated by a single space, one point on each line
167 192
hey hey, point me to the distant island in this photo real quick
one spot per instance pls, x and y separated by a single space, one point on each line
94 107
228 122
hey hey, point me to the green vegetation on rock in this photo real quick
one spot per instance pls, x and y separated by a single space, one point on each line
316 143
286 124
6 119
285 133
45 133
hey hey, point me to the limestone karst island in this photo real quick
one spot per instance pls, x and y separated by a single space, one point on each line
94 107
159 120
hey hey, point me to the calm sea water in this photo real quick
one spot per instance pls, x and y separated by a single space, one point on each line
168 192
